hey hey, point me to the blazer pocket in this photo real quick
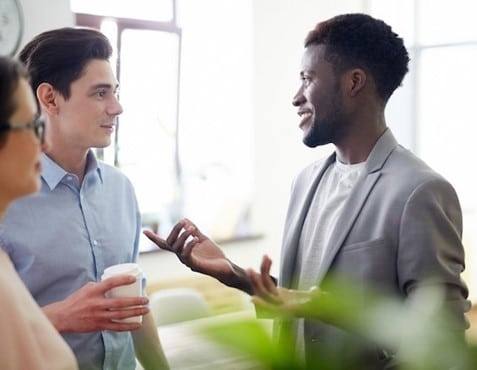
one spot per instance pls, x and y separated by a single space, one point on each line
369 262
368 244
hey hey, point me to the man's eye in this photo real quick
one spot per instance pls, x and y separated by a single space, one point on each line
305 80
101 93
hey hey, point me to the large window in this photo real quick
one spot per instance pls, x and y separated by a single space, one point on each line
433 112
185 137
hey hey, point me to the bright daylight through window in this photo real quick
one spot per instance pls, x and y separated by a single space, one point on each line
181 139
434 108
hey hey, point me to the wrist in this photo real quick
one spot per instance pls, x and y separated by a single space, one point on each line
239 279
53 313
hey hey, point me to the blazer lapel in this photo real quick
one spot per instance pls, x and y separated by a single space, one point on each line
346 220
298 209
354 204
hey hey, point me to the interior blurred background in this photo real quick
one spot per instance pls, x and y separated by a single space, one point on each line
209 132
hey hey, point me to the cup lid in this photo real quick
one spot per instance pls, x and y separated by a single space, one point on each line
122 269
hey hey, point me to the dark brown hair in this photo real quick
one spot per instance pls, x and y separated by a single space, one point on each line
359 40
10 73
59 56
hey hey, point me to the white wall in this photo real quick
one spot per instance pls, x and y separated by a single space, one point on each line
42 15
280 27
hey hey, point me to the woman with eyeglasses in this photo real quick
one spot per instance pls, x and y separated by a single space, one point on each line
28 340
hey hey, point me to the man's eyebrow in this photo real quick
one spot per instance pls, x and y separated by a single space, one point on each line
104 86
307 73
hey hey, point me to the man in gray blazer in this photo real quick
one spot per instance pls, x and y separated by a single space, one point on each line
372 211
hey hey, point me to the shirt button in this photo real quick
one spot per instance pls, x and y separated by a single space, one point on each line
95 243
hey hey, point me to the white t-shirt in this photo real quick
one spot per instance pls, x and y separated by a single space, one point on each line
28 340
325 208
320 221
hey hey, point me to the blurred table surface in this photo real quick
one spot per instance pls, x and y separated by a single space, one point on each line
186 349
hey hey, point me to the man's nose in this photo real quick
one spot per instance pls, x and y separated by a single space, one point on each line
299 98
115 108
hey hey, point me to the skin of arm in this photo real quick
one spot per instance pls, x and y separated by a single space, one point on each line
148 346
88 310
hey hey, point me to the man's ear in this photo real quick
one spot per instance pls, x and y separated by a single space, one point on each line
47 96
355 81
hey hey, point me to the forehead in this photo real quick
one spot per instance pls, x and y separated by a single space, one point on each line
96 71
314 58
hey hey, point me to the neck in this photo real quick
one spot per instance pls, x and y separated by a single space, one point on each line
71 161
64 150
360 139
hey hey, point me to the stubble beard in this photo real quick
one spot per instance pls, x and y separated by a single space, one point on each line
327 130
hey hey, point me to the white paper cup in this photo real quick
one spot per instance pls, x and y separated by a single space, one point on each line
131 290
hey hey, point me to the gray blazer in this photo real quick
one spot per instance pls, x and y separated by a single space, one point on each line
401 222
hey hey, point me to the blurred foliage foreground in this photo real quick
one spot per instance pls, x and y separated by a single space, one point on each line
419 332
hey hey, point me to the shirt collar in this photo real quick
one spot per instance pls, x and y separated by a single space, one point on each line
52 173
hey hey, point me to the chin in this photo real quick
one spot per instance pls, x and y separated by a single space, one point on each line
313 141
318 135
99 146
103 144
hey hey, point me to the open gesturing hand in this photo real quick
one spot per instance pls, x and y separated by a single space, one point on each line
195 250
275 300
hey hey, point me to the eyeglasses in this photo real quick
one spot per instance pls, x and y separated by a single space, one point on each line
38 127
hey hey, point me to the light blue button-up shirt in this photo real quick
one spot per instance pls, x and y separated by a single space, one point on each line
65 236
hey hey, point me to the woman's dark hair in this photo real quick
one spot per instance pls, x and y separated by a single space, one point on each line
10 73
59 56
359 40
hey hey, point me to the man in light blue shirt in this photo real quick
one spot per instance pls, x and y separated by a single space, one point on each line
85 217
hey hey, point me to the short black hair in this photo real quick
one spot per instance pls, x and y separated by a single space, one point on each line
359 40
59 56
11 72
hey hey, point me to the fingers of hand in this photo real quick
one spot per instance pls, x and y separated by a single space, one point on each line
161 243
124 303
261 289
189 225
118 309
181 241
177 238
124 313
114 282
265 275
176 230
187 251
111 319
